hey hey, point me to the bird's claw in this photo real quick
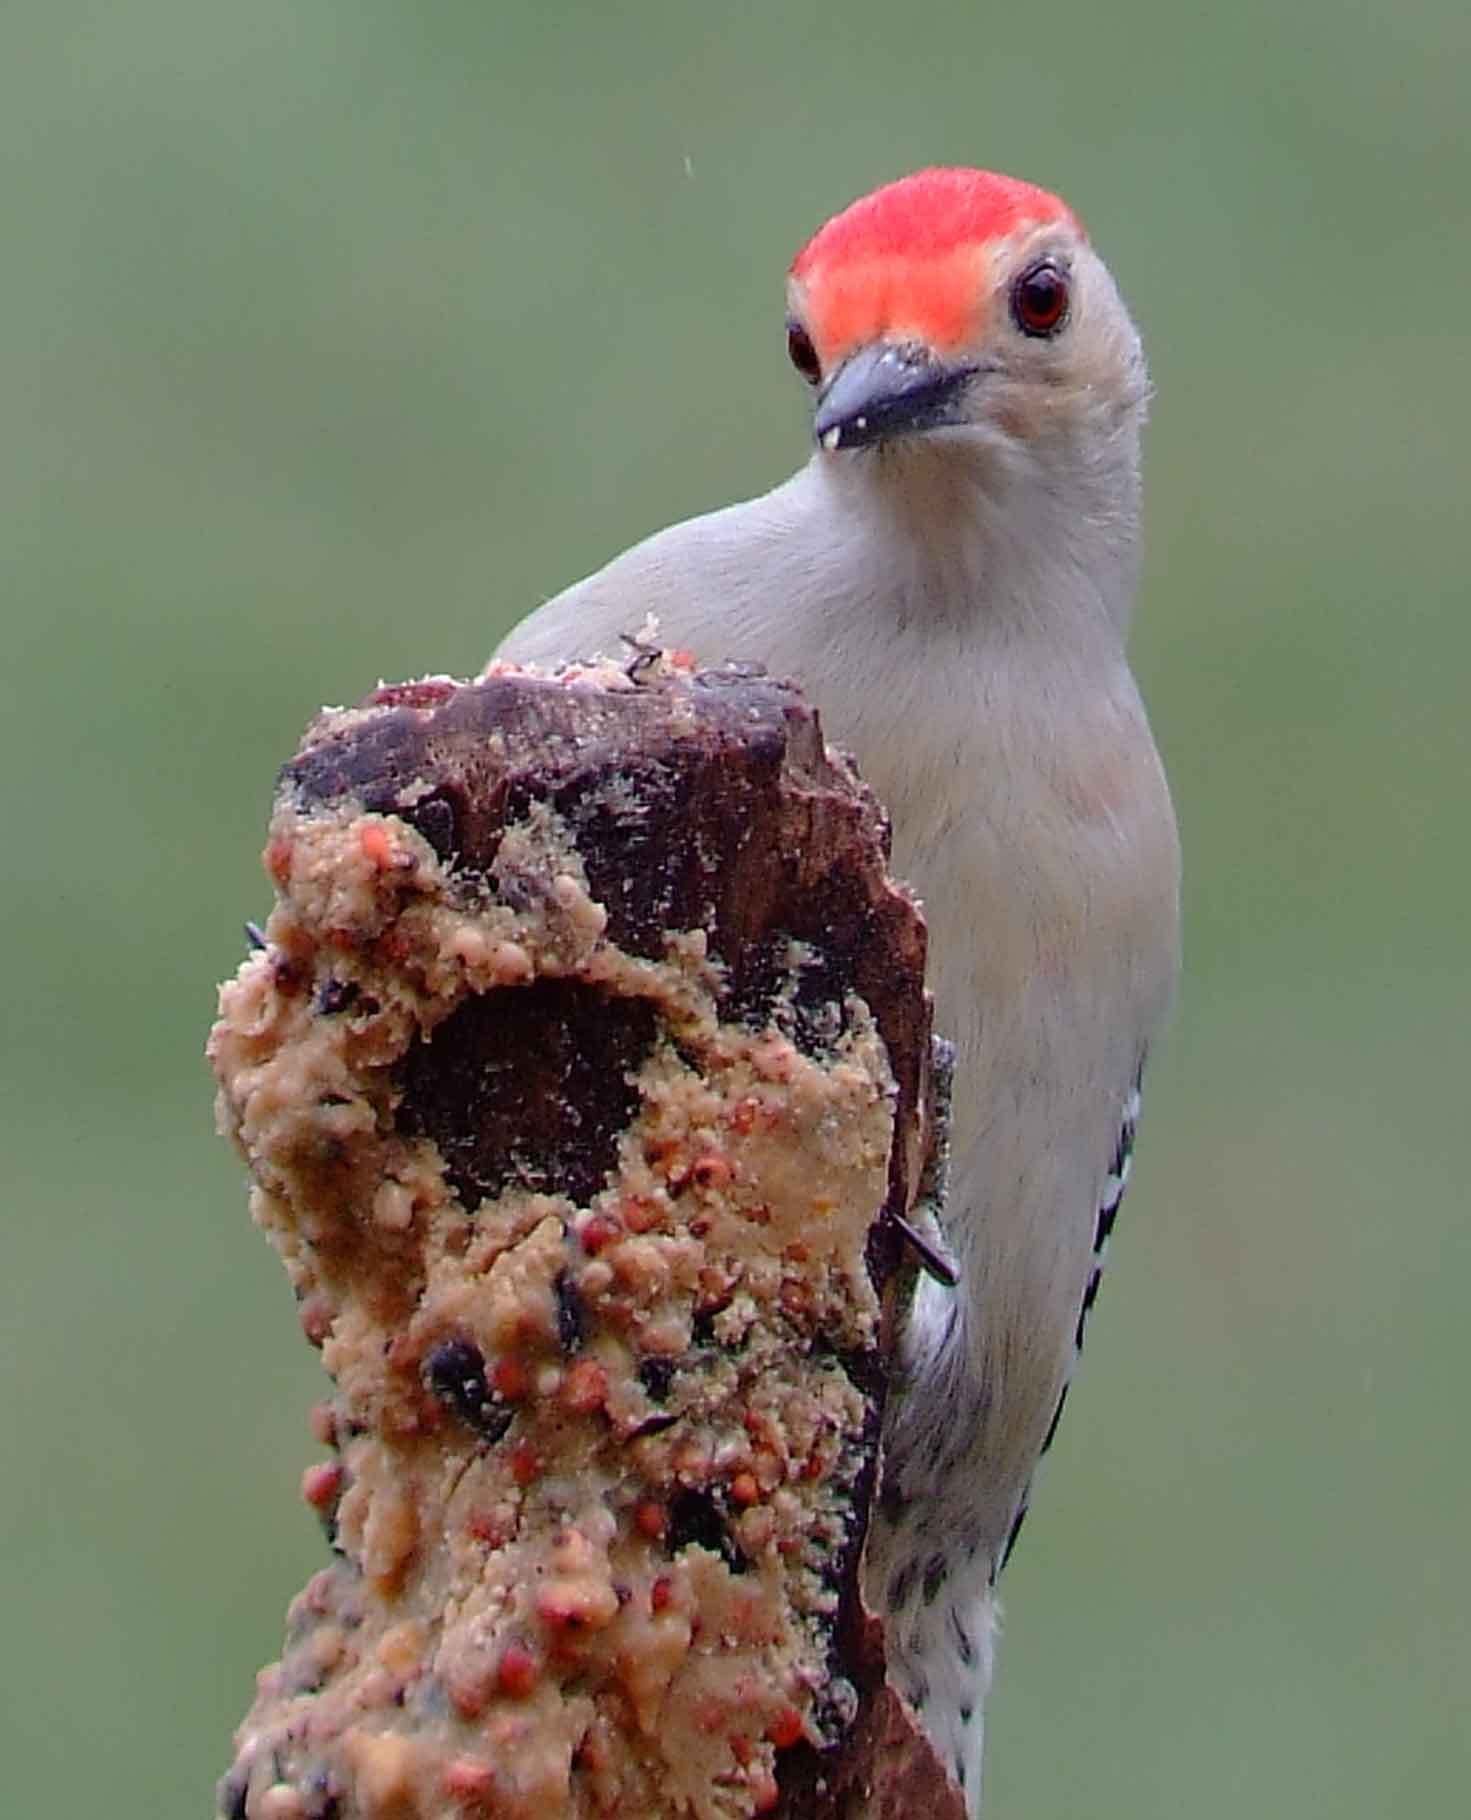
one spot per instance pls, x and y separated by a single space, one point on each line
933 1254
924 1232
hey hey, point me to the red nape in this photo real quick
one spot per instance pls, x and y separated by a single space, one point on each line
932 212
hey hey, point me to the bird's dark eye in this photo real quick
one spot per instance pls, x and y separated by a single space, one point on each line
1039 299
803 354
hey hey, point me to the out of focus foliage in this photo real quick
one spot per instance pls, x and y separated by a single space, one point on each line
332 337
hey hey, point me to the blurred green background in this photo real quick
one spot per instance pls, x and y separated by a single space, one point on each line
332 337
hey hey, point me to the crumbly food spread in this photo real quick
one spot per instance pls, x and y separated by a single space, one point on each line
602 1338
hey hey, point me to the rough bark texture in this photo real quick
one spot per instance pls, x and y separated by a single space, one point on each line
584 1065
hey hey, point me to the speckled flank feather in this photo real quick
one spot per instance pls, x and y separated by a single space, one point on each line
956 603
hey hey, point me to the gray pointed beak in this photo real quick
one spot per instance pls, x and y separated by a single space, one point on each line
889 389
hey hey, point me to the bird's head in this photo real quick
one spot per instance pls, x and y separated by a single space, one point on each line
960 302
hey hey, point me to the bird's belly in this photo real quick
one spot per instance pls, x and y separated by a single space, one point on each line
1041 949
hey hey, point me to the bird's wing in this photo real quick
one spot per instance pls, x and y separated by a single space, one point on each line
1110 1200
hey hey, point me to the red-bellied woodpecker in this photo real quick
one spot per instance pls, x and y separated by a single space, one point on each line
950 576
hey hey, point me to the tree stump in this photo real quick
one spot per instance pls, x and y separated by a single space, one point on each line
582 1071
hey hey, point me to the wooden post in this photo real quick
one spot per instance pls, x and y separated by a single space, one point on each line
582 1073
